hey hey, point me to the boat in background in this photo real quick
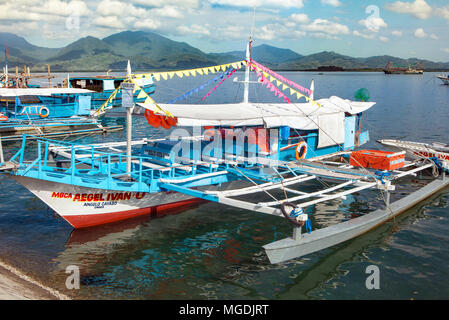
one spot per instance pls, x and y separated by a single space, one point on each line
409 70
102 87
49 112
421 150
443 78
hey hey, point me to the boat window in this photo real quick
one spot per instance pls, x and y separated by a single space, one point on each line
108 85
117 83
89 84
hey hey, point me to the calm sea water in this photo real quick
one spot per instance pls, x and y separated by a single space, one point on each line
214 252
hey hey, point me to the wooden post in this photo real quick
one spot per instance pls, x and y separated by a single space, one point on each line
49 76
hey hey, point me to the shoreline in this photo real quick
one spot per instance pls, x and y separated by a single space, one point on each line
15 285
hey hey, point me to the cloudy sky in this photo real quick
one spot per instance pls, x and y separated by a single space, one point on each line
360 28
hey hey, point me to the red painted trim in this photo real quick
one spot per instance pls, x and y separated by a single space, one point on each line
91 220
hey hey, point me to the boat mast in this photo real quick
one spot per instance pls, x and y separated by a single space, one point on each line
129 120
248 67
6 67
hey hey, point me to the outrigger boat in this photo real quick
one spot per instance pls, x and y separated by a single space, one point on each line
47 112
445 79
285 150
102 87
420 150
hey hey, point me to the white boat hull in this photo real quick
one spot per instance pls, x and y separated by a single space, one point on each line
86 207
417 149
445 80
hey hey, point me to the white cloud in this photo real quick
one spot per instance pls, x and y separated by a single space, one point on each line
147 24
397 33
334 3
193 4
194 29
420 33
326 27
445 50
443 12
384 39
109 22
364 35
434 36
300 18
168 12
418 8
373 23
261 3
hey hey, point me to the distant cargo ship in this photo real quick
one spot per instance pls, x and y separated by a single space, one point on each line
409 70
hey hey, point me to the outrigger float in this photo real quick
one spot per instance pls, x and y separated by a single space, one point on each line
283 153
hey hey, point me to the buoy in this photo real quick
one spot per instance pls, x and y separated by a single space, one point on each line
42 114
301 151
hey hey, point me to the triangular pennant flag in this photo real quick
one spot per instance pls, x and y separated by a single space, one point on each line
157 76
142 95
148 101
164 75
179 74
284 86
171 75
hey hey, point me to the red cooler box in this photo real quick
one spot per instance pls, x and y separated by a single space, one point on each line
380 160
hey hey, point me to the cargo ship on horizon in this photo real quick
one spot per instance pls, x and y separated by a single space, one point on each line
392 70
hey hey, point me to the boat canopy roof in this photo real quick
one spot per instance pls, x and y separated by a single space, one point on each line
301 116
98 78
10 92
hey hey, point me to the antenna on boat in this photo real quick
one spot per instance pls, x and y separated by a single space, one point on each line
6 65
248 61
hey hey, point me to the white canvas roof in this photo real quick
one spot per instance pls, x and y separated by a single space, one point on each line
302 116
11 92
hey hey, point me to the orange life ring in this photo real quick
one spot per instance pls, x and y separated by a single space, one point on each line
44 115
301 151
3 117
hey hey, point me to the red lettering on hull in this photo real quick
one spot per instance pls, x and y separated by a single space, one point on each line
98 197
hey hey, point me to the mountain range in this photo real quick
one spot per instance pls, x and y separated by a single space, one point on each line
150 51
